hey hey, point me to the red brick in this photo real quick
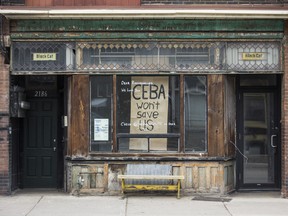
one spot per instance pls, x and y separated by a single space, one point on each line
285 119
4 123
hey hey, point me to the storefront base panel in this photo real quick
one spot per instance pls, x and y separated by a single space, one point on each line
95 178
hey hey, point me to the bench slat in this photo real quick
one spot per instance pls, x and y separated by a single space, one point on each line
151 187
173 177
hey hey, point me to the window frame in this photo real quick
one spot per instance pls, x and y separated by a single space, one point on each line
206 116
173 119
181 135
110 121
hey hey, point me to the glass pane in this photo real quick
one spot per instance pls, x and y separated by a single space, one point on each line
148 144
135 56
188 57
42 56
249 56
147 106
259 155
108 58
258 80
101 112
195 113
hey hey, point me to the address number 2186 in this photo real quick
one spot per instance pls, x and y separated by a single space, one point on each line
40 93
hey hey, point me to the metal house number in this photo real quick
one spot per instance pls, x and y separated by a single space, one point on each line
40 93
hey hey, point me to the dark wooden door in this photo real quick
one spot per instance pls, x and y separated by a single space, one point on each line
40 144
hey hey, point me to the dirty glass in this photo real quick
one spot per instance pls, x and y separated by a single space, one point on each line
101 113
195 113
148 113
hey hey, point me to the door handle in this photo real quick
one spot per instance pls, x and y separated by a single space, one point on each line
272 141
54 149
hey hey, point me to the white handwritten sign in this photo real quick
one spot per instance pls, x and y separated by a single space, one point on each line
149 111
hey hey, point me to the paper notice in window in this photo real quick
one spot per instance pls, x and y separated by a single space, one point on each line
149 111
101 129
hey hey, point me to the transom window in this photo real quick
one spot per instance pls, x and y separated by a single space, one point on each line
148 56
138 57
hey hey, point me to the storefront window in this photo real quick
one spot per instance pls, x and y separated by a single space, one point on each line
148 113
195 113
101 112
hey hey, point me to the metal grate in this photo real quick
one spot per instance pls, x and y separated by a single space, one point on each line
148 169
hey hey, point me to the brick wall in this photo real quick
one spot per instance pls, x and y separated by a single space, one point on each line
4 131
48 3
285 118
213 2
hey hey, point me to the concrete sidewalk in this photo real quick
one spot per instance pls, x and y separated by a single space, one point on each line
61 204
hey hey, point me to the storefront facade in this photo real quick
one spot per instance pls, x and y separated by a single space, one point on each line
92 99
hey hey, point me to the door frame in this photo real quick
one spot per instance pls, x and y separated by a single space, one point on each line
240 90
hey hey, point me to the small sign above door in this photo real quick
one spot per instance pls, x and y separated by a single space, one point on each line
44 56
253 56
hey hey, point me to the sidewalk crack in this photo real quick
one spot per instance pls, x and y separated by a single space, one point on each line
227 209
34 206
126 206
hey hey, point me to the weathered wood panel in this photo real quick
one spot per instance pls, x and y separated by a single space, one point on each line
113 171
182 118
89 179
69 128
79 131
150 25
188 177
214 179
202 178
230 116
114 113
199 177
143 35
139 29
216 145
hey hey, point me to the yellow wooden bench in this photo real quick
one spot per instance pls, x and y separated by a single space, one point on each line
139 187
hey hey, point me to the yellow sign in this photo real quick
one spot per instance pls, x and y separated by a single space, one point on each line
253 56
44 56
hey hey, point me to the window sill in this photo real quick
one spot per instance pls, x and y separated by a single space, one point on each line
148 157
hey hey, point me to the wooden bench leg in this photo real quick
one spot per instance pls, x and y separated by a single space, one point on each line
123 185
178 187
